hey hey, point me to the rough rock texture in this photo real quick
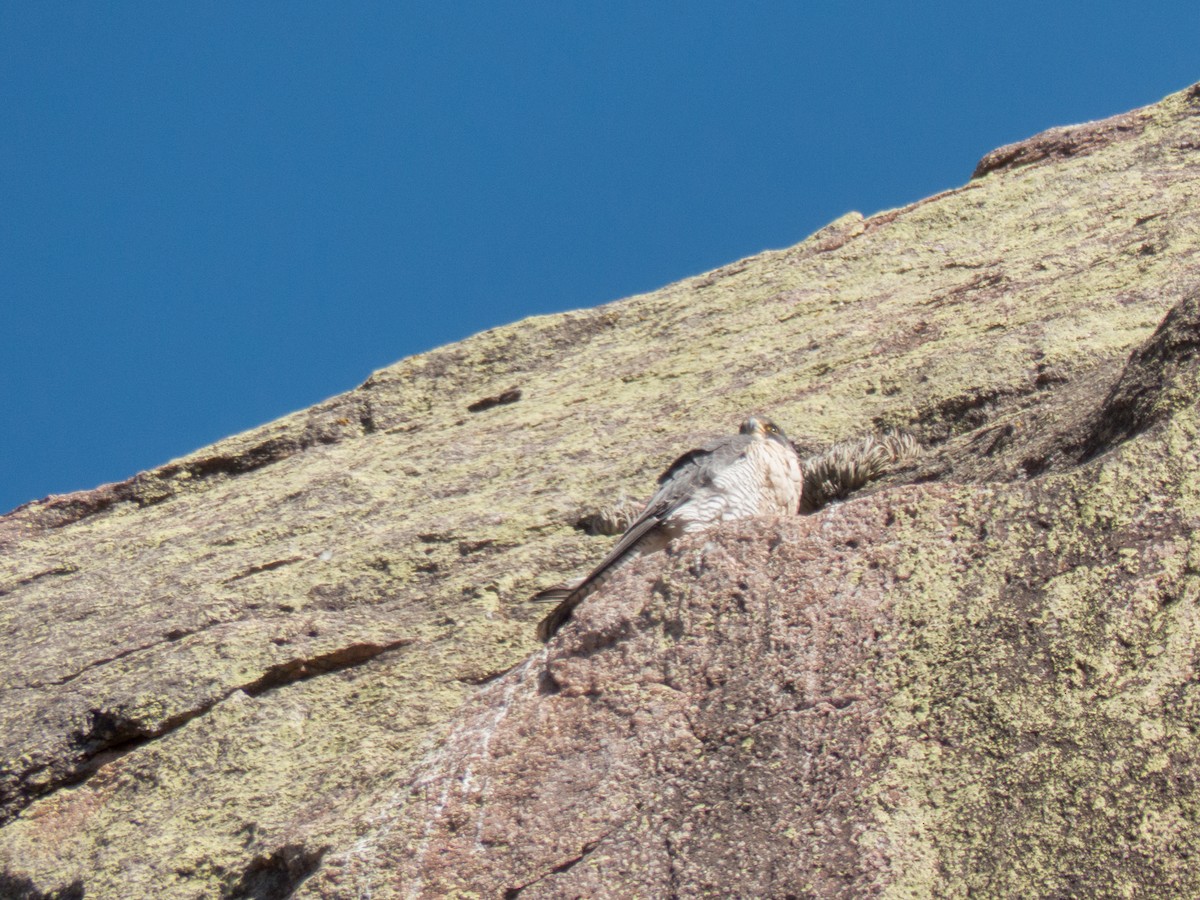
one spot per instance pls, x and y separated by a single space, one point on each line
300 661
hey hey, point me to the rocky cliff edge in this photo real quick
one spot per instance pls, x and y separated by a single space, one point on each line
300 662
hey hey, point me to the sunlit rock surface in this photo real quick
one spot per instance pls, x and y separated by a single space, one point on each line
300 661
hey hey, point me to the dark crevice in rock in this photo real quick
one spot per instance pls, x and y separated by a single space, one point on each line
258 456
964 413
1083 417
586 851
990 440
1154 372
277 875
366 419
672 868
67 679
512 395
437 537
16 887
302 669
110 734
263 567
169 637
1061 421
49 573
487 677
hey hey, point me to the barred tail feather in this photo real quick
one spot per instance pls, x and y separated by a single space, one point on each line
555 619
556 594
629 547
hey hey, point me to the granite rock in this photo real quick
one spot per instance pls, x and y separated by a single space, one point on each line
301 661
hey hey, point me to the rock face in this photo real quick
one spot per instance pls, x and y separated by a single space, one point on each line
300 662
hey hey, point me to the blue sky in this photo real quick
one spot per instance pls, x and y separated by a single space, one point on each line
213 214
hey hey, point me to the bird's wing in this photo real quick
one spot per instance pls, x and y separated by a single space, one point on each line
678 484
698 463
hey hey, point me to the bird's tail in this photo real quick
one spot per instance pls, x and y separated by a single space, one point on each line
567 599
556 594
643 537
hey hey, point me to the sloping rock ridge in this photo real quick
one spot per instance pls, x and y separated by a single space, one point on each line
300 662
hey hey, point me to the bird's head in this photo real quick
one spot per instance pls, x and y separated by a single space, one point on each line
765 429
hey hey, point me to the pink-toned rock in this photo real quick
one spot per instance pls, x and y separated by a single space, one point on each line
702 727
301 662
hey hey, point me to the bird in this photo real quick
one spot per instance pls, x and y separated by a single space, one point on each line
755 472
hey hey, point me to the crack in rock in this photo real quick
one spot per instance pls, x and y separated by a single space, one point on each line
67 679
585 851
169 637
112 734
264 567
48 573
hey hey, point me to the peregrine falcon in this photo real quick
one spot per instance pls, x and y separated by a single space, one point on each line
753 473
